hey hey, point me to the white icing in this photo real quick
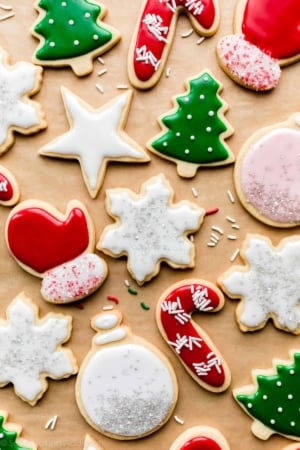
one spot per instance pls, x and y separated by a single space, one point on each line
95 137
106 321
151 229
111 336
271 285
15 82
126 390
29 349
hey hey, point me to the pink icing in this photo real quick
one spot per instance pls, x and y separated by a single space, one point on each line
270 175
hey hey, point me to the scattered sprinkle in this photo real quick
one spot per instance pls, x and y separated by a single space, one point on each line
192 239
179 420
211 244
187 33
230 219
113 298
122 86
217 229
79 306
100 88
235 255
211 211
235 226
101 72
50 425
101 61
126 282
132 291
107 308
214 236
231 237
168 72
5 7
194 192
7 16
200 40
230 196
145 306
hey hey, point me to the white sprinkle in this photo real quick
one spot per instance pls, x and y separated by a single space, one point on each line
218 229
122 86
187 33
192 239
235 226
5 7
100 88
194 192
230 196
101 72
168 72
230 219
107 308
231 237
235 255
101 61
211 244
7 16
126 282
178 420
214 236
51 423
200 40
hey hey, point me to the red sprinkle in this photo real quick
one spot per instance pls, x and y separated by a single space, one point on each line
113 299
211 211
79 305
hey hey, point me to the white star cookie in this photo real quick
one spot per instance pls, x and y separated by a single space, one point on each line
31 349
17 111
96 137
268 284
150 228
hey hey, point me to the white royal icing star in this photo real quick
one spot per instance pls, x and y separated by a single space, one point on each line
151 228
96 136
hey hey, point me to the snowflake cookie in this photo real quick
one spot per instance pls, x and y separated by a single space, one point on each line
18 112
9 436
149 228
126 388
96 137
32 349
271 401
200 438
268 285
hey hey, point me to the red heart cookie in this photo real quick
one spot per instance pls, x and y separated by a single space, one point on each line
40 238
9 189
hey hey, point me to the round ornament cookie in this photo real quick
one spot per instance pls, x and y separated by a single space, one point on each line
253 55
272 400
71 33
266 174
194 132
193 347
200 438
126 388
155 31
9 188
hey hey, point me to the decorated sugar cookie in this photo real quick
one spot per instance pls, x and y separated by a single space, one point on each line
150 228
267 285
156 26
200 438
71 33
254 54
32 349
292 447
56 247
272 399
9 188
18 112
10 436
193 134
267 174
95 138
189 342
91 444
126 388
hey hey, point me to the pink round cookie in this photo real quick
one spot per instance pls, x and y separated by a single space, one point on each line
267 174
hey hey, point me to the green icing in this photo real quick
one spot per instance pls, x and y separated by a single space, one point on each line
194 129
8 438
70 29
276 401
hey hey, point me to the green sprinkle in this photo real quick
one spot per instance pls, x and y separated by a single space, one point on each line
144 306
132 291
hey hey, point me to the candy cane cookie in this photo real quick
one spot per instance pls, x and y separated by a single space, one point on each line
190 343
152 40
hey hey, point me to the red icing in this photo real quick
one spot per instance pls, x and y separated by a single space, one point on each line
203 354
144 71
273 26
6 189
201 443
41 241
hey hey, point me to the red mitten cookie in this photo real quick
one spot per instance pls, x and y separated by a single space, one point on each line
267 37
200 438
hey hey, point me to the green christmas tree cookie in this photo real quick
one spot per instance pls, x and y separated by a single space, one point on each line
71 33
9 436
273 400
193 133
